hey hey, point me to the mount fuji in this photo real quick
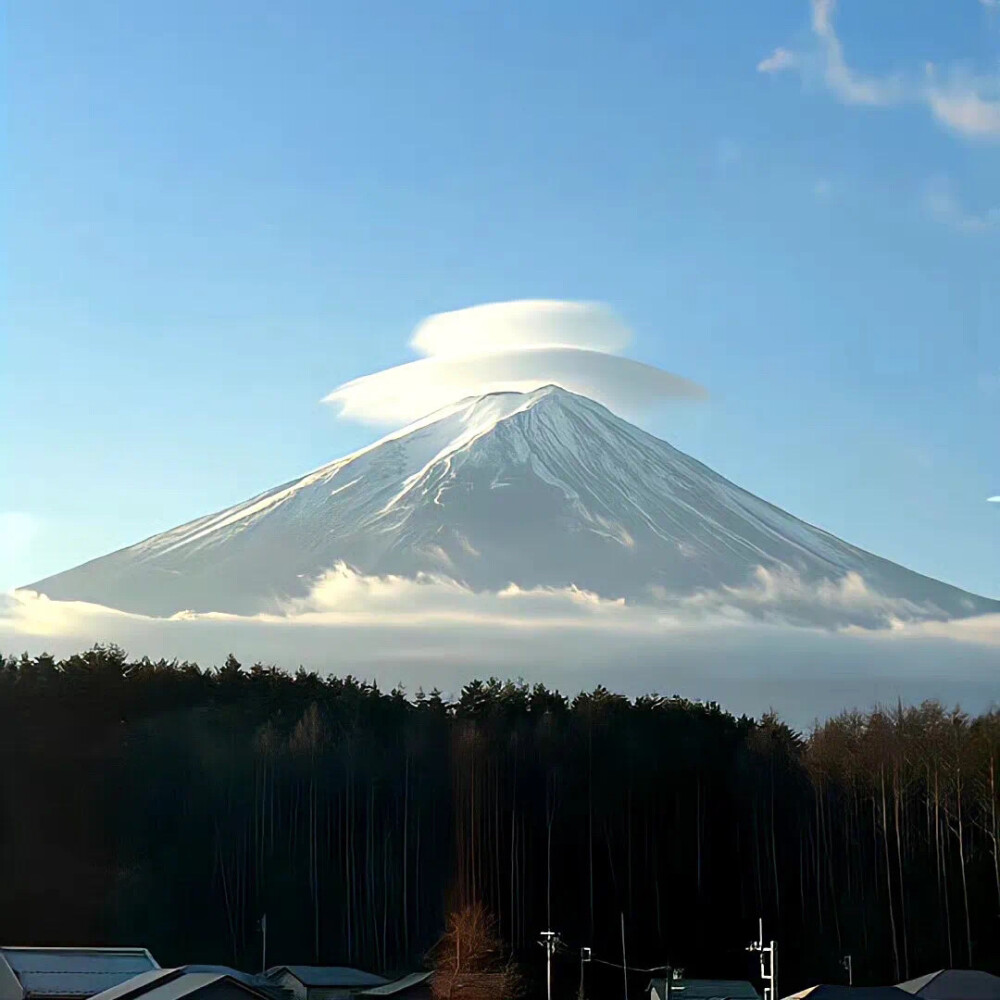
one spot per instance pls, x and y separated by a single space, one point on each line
538 489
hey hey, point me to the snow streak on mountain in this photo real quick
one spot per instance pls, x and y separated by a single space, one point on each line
539 489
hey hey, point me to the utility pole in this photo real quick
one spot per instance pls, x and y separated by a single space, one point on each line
848 964
670 976
768 970
624 959
584 959
549 941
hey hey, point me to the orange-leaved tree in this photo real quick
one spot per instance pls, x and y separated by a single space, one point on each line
470 961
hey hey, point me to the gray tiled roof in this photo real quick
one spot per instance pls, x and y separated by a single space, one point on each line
183 985
175 984
839 991
260 983
137 984
328 975
397 985
151 984
955 984
74 972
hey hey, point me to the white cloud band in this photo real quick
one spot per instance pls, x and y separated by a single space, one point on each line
408 392
512 347
527 323
736 645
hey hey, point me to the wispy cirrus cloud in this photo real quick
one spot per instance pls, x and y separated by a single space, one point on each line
778 61
849 84
965 103
942 205
823 188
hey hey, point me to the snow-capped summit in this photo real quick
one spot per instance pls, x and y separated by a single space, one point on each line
542 488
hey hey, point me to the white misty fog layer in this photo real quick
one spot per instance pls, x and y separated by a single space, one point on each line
737 646
512 347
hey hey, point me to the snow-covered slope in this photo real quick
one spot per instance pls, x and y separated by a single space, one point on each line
545 488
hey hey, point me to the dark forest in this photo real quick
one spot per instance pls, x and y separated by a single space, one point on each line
170 806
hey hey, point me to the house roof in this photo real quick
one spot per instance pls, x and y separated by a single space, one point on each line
707 989
916 985
174 984
137 984
833 991
146 984
74 972
260 983
328 975
397 985
955 984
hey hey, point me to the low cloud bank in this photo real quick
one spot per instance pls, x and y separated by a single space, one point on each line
741 647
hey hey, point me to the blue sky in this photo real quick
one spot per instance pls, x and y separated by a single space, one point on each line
219 211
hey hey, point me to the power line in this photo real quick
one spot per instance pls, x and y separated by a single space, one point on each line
561 947
630 968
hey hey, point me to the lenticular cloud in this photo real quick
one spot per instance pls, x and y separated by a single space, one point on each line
512 347
528 323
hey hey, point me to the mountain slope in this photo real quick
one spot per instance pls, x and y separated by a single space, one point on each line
546 488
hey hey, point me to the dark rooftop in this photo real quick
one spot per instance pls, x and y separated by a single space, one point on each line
397 985
328 975
74 972
955 984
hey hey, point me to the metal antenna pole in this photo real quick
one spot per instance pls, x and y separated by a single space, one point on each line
774 970
549 940
768 971
624 960
584 959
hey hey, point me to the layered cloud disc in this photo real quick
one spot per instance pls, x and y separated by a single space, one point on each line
502 326
512 347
